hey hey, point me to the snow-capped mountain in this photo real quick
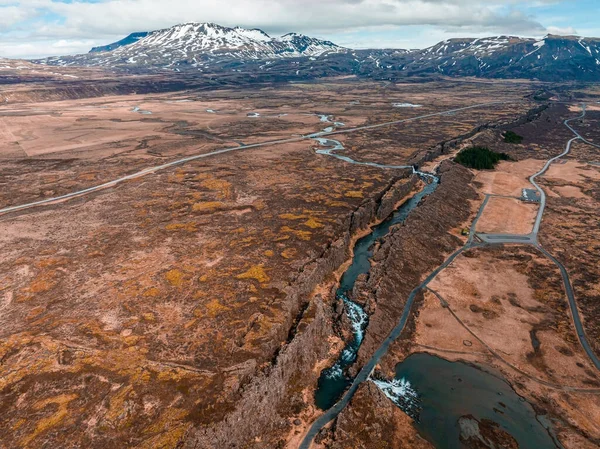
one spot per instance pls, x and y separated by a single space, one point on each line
551 58
208 47
196 44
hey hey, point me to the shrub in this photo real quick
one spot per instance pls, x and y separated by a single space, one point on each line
512 137
480 158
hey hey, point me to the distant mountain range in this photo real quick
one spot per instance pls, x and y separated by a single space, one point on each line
196 45
212 48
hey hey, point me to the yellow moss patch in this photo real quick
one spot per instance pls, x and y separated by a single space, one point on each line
43 282
18 424
214 307
149 316
222 187
259 205
189 227
353 194
177 177
207 206
35 312
291 217
132 340
152 292
269 253
47 423
117 404
200 294
255 272
313 223
169 428
302 235
175 277
336 204
288 253
52 261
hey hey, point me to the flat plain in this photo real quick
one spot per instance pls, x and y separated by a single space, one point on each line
160 311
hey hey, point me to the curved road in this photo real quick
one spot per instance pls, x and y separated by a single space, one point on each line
574 311
563 271
227 150
538 219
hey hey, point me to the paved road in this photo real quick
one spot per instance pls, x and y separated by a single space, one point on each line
496 238
538 220
507 238
533 237
574 311
563 271
151 170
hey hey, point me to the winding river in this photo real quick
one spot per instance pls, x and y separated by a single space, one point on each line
334 380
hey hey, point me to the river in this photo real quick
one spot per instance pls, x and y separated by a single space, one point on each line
334 380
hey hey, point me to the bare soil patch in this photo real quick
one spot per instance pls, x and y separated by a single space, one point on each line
507 216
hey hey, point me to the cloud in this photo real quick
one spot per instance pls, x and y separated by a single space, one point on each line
285 15
562 31
36 27
11 15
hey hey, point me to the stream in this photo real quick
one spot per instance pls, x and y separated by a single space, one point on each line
334 380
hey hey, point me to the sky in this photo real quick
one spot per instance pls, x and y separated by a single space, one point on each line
39 28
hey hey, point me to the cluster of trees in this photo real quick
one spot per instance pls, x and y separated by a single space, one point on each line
480 158
512 137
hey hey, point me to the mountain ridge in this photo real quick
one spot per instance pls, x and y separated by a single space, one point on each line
212 47
195 44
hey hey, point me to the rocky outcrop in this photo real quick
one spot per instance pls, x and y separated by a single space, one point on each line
372 421
388 202
484 434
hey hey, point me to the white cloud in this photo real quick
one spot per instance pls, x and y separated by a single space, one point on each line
285 15
11 15
561 31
